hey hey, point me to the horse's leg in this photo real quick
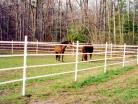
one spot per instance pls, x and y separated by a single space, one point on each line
86 57
57 56
82 57
62 57
90 56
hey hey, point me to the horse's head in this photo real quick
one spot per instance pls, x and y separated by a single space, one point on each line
66 42
69 43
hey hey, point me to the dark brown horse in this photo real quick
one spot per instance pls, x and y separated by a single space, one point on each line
87 50
60 49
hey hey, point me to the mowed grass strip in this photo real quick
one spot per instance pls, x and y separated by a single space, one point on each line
101 77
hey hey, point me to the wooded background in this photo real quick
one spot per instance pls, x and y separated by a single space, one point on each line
95 21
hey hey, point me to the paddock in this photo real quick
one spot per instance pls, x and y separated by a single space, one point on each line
25 62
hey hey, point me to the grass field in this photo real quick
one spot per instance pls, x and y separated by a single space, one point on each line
52 90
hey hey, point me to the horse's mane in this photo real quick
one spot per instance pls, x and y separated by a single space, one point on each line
65 42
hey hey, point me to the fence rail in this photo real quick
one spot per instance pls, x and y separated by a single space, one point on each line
126 51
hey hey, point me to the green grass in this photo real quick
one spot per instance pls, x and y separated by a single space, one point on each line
58 80
101 77
52 86
125 93
18 62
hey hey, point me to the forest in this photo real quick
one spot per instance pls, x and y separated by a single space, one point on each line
95 21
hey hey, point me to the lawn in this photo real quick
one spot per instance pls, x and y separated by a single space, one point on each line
50 87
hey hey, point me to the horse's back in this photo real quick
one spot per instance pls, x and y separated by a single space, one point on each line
87 49
90 49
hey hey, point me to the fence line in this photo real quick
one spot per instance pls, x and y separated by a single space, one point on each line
15 55
48 49
55 43
77 46
76 64
124 58
12 81
24 66
137 56
7 69
44 65
37 47
111 51
69 72
12 47
105 62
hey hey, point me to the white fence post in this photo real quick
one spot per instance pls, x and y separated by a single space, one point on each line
12 47
24 66
105 61
111 51
37 47
124 56
76 65
73 52
137 55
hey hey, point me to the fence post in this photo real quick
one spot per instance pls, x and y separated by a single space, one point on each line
105 61
124 56
76 65
12 47
137 55
111 51
37 47
24 66
73 48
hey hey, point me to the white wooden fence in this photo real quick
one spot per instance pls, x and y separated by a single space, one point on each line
108 50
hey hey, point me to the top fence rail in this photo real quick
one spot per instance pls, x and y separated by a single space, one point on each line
57 43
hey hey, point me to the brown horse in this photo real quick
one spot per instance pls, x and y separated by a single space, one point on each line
60 49
87 50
